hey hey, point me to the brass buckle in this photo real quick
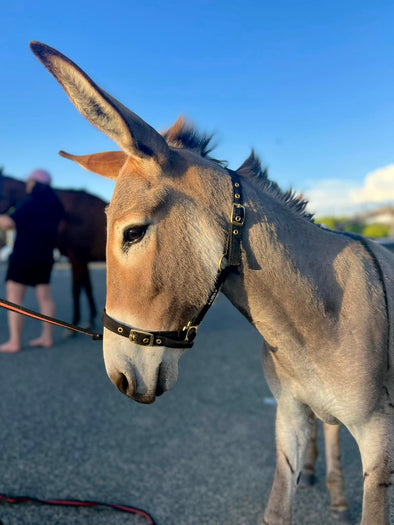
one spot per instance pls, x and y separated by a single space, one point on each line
189 327
148 339
238 219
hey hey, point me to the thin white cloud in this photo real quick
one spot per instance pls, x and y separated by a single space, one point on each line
331 197
341 197
378 186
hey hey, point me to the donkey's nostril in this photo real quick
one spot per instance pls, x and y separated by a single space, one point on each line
125 382
122 384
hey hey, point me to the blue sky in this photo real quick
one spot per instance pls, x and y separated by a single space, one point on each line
308 85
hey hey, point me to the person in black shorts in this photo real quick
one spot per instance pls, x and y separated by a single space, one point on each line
36 220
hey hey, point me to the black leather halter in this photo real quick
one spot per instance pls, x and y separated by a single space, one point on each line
230 259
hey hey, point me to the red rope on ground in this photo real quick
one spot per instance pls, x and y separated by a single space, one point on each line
76 503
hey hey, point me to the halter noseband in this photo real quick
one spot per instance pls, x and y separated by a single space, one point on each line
230 259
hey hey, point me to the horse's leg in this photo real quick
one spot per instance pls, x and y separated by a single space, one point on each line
307 477
76 290
89 294
81 279
334 478
294 424
375 440
76 276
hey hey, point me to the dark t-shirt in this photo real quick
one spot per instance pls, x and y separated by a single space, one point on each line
37 220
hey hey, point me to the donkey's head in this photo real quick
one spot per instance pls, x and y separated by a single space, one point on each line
167 226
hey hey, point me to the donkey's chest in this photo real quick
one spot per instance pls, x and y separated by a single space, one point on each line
334 387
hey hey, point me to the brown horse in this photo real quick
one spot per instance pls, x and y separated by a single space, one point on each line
81 238
323 301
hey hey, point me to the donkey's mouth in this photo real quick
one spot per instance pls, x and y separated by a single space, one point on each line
148 399
144 399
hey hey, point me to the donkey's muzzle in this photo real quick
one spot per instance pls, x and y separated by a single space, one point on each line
128 384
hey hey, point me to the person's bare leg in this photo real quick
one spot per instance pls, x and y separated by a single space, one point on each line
15 294
47 307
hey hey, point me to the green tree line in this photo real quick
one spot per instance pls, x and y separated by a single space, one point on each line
347 224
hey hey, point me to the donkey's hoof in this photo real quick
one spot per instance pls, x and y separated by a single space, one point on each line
306 480
341 516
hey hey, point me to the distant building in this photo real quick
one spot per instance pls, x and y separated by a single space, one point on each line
383 215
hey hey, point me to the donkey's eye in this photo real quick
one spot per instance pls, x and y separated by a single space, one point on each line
133 234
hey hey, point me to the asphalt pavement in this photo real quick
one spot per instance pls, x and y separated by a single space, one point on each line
202 454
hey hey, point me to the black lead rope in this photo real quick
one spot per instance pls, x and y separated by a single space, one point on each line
8 305
230 259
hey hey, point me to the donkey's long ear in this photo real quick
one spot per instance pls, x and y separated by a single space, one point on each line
134 136
108 163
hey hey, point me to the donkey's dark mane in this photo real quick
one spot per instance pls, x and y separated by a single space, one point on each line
183 135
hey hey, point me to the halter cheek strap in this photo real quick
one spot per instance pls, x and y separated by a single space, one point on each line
230 259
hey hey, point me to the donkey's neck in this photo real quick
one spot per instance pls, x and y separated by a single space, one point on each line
286 286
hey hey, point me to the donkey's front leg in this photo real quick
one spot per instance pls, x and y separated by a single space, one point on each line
375 440
294 424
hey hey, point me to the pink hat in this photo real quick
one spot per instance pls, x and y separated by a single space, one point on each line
41 176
